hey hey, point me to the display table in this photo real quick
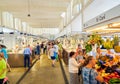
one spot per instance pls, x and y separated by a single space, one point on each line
65 54
16 60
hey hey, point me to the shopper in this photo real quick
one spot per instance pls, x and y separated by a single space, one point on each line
56 50
4 51
48 48
51 53
98 53
27 53
84 54
89 74
79 56
45 48
3 68
42 47
79 48
38 50
80 59
31 54
73 69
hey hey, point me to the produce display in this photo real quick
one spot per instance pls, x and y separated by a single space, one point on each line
109 68
117 49
93 39
108 64
116 40
108 44
114 81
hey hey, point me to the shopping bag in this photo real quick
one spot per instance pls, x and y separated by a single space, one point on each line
56 55
6 81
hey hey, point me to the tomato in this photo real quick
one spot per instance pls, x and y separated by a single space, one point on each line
117 76
114 77
112 74
107 78
115 73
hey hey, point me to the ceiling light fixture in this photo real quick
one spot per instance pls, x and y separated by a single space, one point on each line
98 28
28 8
114 25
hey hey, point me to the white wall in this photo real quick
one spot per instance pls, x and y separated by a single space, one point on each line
68 29
6 30
9 40
1 29
0 17
97 7
76 24
39 31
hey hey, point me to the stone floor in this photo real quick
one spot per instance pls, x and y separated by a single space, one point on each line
41 73
66 70
15 74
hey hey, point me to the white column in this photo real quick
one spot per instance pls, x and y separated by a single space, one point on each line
24 26
0 18
1 29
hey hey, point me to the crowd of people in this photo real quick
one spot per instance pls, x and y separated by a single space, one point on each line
82 67
50 49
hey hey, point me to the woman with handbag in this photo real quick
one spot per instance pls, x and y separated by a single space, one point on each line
89 74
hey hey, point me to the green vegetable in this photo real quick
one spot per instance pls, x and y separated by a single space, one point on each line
88 47
114 81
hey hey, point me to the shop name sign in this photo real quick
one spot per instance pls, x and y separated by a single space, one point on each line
100 18
110 14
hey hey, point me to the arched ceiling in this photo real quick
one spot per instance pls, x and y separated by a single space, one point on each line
44 13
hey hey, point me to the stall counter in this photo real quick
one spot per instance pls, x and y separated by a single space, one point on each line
16 60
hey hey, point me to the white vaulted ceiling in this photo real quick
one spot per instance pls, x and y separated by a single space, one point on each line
44 13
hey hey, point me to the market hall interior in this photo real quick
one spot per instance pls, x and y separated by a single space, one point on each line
37 25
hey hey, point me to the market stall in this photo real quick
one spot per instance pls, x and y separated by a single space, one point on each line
17 59
109 68
108 63
70 43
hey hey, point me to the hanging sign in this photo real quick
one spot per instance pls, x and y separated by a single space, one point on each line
110 14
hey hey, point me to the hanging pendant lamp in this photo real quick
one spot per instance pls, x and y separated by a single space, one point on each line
29 9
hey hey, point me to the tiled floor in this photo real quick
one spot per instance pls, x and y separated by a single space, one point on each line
41 73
